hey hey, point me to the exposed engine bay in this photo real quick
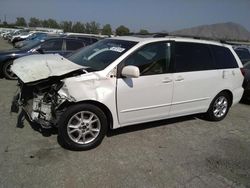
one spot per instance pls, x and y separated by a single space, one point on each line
40 99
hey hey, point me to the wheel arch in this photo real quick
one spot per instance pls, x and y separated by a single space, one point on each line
100 105
3 63
230 94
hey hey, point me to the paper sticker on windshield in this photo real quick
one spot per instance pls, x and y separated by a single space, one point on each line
117 49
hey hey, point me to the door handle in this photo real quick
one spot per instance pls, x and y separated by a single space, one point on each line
179 78
167 80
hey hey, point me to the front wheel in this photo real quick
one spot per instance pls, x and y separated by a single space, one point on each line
8 74
219 107
82 127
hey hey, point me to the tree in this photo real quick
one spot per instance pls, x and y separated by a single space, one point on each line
44 23
87 28
92 27
53 23
78 27
20 21
107 30
66 26
143 32
5 23
122 30
34 22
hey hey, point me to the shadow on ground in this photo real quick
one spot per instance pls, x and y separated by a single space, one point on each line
47 132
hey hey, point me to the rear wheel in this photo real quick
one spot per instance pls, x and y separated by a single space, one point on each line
82 127
219 107
8 74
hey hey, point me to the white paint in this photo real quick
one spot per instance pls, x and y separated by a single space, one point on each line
36 67
137 100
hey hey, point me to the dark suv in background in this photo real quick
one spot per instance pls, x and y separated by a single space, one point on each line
244 54
60 45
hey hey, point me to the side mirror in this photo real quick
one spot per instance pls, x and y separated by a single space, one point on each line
40 50
131 71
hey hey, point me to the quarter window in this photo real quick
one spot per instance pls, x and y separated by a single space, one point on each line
192 57
151 59
224 57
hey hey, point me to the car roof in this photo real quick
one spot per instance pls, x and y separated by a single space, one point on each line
56 37
167 38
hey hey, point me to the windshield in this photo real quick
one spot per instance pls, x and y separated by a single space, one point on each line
101 54
30 45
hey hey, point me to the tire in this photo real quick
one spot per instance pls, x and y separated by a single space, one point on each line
8 74
82 127
219 107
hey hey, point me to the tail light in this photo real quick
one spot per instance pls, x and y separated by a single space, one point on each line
243 71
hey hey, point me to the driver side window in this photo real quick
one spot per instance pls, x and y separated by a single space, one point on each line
151 59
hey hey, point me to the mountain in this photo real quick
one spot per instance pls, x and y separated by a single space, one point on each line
224 31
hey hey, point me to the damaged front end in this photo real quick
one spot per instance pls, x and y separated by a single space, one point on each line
39 81
41 101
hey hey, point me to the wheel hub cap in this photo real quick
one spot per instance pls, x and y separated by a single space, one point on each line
83 127
220 107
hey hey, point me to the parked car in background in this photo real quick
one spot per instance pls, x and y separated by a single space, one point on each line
123 81
16 35
244 54
8 35
21 37
35 36
88 40
60 45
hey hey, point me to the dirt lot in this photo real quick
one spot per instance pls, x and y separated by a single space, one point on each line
181 152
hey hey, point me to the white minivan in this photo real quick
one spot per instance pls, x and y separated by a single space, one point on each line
124 81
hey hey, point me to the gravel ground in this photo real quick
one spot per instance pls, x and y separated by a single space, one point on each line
180 152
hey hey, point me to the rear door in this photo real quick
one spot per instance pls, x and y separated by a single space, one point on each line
195 78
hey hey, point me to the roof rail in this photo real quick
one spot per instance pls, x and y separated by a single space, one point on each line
159 35
204 38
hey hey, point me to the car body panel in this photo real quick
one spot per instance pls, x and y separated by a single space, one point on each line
42 66
144 98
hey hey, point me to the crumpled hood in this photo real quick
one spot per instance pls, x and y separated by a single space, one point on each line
37 67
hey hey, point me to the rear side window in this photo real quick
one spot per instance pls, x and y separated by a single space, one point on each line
73 45
223 57
52 45
192 57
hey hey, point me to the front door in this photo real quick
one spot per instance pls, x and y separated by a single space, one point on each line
148 97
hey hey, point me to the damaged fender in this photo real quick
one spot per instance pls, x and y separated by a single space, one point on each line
91 87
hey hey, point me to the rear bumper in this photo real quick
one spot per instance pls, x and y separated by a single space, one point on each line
237 95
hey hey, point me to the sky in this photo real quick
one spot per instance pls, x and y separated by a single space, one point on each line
153 15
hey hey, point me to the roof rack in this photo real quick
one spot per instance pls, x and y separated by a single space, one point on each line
204 38
160 35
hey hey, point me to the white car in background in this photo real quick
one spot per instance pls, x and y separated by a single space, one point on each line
123 81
